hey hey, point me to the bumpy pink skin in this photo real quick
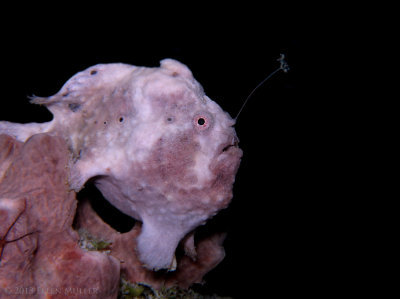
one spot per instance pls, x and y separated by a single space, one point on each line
157 147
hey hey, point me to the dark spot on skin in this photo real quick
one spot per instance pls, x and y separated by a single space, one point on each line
94 72
201 121
74 107
105 122
170 119
121 119
65 94
175 74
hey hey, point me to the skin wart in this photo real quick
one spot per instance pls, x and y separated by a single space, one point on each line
155 145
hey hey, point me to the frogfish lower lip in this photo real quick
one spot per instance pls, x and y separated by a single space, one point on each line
235 151
231 142
230 146
231 152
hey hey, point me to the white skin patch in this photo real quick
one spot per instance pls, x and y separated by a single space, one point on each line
155 143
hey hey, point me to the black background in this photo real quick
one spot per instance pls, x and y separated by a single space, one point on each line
274 241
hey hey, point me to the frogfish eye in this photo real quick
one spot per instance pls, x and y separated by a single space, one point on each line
202 121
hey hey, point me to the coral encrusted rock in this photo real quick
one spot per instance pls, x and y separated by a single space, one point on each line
40 256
